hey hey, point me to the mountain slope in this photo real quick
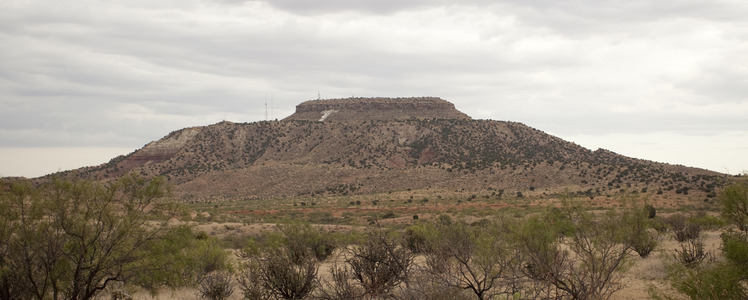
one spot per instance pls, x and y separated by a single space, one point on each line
383 145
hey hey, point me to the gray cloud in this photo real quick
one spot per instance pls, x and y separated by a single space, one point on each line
91 73
361 6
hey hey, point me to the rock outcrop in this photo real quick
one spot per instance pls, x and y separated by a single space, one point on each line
382 109
161 150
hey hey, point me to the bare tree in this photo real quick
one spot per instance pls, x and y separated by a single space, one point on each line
475 258
287 279
372 270
250 281
380 264
584 265
341 286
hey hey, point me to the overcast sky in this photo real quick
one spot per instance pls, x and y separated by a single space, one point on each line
82 81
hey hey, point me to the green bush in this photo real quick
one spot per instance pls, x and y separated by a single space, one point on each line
644 243
388 215
716 282
638 224
734 200
708 222
721 279
735 247
301 239
587 263
74 238
651 211
416 236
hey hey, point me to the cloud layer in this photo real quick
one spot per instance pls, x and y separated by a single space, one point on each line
89 73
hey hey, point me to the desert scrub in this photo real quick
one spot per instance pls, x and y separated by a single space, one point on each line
721 279
74 238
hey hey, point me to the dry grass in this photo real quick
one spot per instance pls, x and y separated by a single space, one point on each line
641 274
251 218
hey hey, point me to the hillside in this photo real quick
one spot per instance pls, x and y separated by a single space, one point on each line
380 145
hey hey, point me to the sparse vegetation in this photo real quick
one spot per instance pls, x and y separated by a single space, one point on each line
592 266
513 214
72 239
715 279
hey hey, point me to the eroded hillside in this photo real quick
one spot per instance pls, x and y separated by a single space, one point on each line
384 152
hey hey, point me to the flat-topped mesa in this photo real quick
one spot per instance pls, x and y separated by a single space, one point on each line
361 109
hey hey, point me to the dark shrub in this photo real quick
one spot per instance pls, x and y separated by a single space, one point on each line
651 211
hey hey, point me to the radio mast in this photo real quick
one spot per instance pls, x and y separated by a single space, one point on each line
266 106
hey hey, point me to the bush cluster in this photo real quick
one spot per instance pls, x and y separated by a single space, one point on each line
75 239
581 258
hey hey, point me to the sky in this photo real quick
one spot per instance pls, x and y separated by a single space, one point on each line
82 81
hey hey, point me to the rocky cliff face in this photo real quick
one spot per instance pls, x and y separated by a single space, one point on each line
383 109
158 151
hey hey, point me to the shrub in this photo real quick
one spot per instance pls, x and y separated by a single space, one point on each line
707 221
388 215
473 258
250 281
644 244
591 268
416 236
735 247
380 264
651 211
637 223
77 237
682 228
734 200
691 252
216 285
340 286
285 278
707 282
721 279
301 240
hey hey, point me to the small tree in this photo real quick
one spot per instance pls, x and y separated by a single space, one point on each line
734 200
474 258
637 221
373 269
590 268
250 281
71 239
301 239
683 229
286 265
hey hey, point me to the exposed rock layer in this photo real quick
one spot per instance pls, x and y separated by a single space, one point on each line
383 109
